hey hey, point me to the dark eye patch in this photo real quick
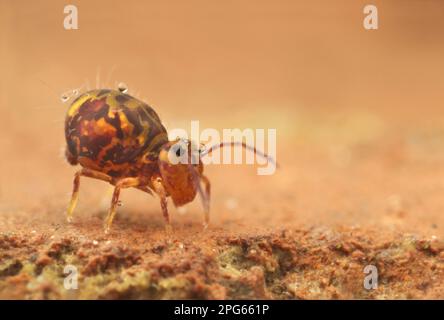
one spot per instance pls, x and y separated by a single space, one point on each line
179 152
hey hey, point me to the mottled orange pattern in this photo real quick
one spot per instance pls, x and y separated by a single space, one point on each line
117 138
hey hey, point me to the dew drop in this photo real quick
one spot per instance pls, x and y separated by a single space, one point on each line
122 87
64 97
182 210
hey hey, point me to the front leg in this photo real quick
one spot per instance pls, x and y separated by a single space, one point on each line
76 184
157 183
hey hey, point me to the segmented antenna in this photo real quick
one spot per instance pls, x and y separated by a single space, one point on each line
241 144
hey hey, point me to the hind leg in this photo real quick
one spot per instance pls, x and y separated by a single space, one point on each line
123 183
76 184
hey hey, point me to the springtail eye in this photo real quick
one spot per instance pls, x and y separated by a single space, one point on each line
180 151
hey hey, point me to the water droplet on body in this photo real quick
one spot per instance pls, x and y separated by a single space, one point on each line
64 98
122 87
